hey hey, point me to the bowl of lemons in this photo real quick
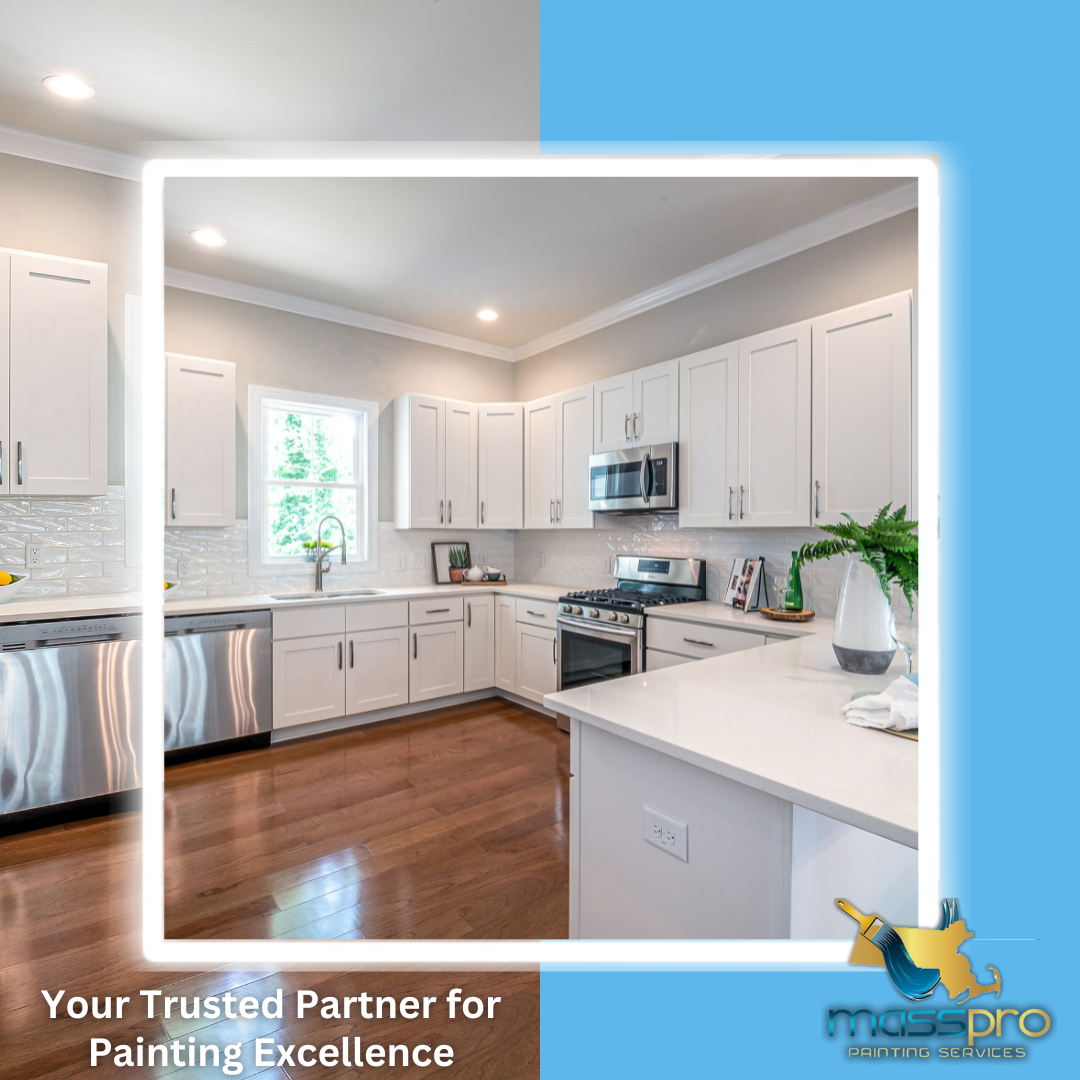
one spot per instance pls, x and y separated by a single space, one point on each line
11 585
171 585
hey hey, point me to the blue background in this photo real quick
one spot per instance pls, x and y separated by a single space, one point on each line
992 89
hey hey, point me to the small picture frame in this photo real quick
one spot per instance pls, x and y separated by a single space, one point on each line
744 584
440 561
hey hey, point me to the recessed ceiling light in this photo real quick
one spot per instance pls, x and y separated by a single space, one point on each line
487 314
207 237
68 86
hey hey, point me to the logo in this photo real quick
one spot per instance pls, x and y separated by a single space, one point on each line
917 959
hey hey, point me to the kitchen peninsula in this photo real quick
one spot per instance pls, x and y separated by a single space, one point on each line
780 801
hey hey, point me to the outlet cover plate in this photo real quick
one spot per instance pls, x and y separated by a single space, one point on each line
667 833
183 568
33 556
400 561
418 560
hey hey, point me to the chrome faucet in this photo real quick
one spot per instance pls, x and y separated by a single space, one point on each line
319 570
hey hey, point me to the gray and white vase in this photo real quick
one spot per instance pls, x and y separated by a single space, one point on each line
861 638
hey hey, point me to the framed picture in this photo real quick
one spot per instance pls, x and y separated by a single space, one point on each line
442 563
744 584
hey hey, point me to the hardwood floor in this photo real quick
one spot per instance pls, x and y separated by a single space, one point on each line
447 825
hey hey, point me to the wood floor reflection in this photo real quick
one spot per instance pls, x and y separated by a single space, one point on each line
448 825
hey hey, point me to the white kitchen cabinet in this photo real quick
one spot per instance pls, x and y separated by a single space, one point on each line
57 376
505 643
862 410
462 447
613 406
536 661
419 462
200 441
709 438
637 409
697 640
436 663
573 445
377 669
657 660
501 466
774 427
541 470
479 642
5 443
309 679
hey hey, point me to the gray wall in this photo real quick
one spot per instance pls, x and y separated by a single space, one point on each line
863 265
294 352
81 215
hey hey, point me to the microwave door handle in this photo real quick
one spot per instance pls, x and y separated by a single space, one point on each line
645 478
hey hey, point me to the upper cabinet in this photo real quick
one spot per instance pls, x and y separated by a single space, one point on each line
435 463
54 373
637 409
200 441
501 466
774 428
862 410
558 441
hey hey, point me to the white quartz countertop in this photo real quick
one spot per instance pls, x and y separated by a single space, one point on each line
711 613
37 609
768 718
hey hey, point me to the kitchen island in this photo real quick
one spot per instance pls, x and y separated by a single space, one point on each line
782 801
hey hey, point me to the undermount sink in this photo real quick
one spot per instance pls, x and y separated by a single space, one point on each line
333 594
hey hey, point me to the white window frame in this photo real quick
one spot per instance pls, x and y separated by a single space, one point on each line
367 508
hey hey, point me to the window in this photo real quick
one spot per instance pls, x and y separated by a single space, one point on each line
310 455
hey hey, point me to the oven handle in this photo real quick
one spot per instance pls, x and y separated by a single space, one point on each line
592 629
645 478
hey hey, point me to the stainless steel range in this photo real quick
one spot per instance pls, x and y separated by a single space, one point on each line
602 631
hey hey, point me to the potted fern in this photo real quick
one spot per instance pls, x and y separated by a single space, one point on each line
458 558
879 555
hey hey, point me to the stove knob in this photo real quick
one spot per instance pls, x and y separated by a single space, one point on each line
612 616
565 609
593 613
624 618
577 611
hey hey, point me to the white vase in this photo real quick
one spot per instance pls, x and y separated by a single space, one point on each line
861 638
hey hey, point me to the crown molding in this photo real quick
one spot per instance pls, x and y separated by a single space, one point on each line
848 219
75 155
316 309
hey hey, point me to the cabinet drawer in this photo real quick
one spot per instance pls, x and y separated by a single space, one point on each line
697 641
537 612
376 616
437 609
309 621
655 660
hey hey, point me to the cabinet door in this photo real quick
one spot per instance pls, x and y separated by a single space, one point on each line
309 679
656 404
377 670
573 445
774 427
709 438
5 443
436 661
462 446
657 660
479 642
536 662
200 441
59 376
540 464
501 466
862 410
613 408
505 643
427 462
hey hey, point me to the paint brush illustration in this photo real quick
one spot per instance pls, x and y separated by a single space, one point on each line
911 980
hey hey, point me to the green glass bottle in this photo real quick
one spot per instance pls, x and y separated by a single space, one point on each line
793 597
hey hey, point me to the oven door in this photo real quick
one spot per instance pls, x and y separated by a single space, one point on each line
591 653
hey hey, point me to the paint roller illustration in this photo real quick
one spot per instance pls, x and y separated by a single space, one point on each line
917 959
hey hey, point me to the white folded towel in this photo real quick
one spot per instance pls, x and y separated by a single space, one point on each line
896 707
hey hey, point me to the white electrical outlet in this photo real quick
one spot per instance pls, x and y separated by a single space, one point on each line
34 555
482 559
543 558
183 568
417 560
400 561
667 833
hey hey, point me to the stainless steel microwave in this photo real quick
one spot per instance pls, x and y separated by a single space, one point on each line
635 481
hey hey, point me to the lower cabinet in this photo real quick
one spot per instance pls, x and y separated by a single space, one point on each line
655 660
436 661
309 679
479 643
536 661
377 670
506 643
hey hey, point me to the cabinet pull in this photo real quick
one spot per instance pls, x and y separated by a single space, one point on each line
352 654
449 511
18 454
538 614
626 427
551 511
469 616
741 489
173 502
481 511
730 512
636 435
441 511
340 655
553 659
436 610
414 646
558 511
817 489
694 641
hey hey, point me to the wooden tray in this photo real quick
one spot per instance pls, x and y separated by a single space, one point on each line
781 615
501 581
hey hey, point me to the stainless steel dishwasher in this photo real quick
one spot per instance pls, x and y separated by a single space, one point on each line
217 679
69 706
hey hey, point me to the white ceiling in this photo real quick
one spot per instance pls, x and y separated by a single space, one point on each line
432 252
273 69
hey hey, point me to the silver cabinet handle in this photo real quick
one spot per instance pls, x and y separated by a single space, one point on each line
817 490
173 502
626 427
730 513
18 454
558 511
644 476
340 655
469 609
636 435
436 610
553 659
551 511
414 646
481 512
538 614
440 511
352 654
694 641
741 489
449 511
